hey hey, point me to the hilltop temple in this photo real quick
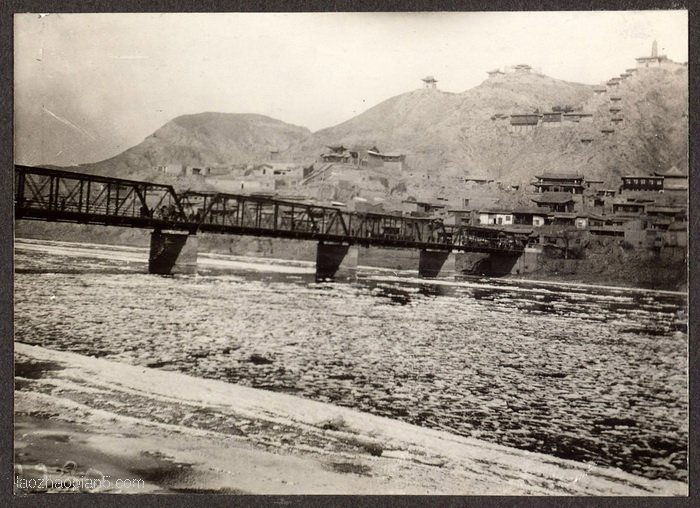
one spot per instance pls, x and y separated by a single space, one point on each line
655 60
429 82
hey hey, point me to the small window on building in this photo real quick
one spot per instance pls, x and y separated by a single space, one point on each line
509 218
499 220
635 181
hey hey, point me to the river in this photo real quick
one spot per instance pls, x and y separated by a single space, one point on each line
591 374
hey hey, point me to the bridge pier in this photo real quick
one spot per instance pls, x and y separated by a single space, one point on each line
437 264
336 261
172 253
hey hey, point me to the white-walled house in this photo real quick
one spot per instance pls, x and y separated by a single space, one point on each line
495 217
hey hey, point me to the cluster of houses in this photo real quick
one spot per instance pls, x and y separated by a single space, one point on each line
526 122
269 177
264 178
365 157
183 170
644 211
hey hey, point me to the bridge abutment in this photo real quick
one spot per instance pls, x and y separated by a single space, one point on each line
529 260
336 261
172 253
437 264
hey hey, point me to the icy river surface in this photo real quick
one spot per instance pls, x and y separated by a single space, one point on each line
586 373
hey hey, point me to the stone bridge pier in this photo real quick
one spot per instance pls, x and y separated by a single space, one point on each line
500 264
173 252
336 261
437 264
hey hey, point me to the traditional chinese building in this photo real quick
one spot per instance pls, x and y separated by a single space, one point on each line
559 182
555 201
522 68
524 122
495 217
642 183
551 119
429 82
627 208
674 180
388 160
534 216
358 154
338 153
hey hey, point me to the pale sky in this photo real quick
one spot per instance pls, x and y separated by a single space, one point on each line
113 79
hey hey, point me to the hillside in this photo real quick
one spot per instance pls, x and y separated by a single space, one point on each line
449 136
207 139
446 132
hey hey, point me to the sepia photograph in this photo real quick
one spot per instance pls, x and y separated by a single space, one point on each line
351 253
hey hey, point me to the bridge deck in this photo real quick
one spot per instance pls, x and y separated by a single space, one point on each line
63 196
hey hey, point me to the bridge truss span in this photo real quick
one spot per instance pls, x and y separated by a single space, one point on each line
63 196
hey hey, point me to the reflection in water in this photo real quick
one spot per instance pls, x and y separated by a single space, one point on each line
587 374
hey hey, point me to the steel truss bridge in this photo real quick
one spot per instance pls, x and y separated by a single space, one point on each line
63 196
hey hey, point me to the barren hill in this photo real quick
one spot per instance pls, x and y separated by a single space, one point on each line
448 133
209 139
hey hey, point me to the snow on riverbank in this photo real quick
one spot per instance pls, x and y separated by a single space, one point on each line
227 438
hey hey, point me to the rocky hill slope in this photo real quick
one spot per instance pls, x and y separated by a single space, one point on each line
449 135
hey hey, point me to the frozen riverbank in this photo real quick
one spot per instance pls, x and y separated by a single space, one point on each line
183 434
609 266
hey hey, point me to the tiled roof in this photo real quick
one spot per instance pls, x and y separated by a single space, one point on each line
674 171
531 210
560 176
496 210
